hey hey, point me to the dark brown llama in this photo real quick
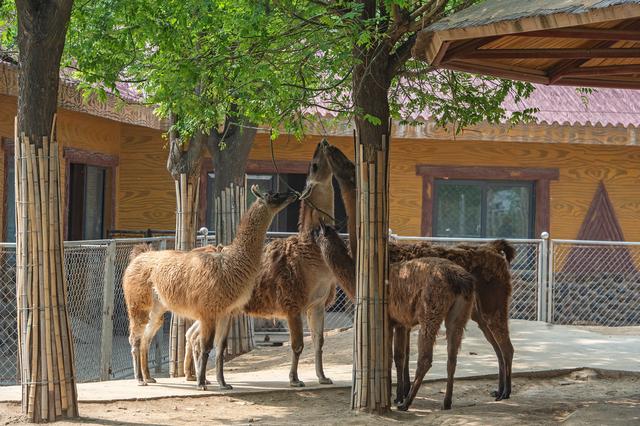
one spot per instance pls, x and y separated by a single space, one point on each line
425 292
488 263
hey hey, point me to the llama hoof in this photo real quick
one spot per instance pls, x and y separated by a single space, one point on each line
502 396
403 407
225 387
296 383
496 393
446 405
325 381
142 383
202 387
151 380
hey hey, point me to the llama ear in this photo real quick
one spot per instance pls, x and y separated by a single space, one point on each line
255 190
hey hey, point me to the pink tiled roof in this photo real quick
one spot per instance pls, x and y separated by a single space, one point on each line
564 105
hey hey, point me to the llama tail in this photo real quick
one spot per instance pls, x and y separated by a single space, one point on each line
460 281
139 249
505 247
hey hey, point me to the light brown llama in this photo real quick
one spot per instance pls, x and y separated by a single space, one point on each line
488 263
293 278
425 292
205 286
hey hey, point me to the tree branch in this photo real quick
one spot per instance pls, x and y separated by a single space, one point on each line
401 55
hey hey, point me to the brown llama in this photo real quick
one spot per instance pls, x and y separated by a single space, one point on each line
208 287
294 278
425 292
488 263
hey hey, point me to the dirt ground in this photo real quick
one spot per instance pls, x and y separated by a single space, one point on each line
577 398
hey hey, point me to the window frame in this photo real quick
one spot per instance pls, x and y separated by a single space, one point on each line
98 159
9 155
540 176
485 185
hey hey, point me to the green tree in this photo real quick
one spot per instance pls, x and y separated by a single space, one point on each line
373 42
45 345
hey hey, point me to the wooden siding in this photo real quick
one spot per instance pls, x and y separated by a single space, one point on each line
145 192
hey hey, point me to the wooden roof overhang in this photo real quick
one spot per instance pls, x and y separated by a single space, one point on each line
588 43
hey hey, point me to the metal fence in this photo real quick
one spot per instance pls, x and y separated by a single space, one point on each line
559 281
594 283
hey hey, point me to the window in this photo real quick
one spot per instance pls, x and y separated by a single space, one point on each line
10 198
287 220
88 202
493 209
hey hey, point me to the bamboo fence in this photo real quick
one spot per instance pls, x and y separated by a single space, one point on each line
187 195
230 206
372 348
46 347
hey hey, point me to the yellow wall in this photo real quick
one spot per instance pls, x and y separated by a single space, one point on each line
145 192
146 196
580 167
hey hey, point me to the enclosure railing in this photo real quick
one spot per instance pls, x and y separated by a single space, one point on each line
558 281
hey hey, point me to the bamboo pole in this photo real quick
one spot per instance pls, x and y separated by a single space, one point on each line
371 386
46 347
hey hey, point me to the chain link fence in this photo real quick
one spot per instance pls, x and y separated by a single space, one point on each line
595 283
8 316
560 281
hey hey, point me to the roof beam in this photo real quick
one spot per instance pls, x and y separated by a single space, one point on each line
603 71
550 53
557 71
586 34
454 52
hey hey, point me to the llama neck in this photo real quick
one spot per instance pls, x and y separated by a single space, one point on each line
252 231
317 207
337 257
348 192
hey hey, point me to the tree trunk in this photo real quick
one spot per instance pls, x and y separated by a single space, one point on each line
185 158
46 345
372 353
229 162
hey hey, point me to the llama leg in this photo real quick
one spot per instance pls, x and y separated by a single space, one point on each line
136 330
399 354
222 331
455 322
191 351
205 343
295 333
407 357
426 340
315 317
488 334
500 328
156 317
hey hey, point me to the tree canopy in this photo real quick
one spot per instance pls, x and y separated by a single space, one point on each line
275 62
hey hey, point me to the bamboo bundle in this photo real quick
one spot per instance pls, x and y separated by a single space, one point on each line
372 344
230 205
187 196
46 346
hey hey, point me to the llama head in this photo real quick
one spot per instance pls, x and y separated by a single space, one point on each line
342 168
319 170
327 238
273 201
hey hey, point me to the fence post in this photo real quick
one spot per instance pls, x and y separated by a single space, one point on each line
543 277
106 341
550 279
157 346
